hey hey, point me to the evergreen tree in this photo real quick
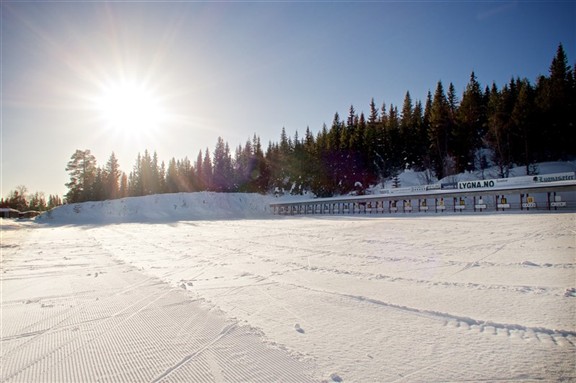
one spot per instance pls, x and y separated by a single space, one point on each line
373 117
558 105
372 143
53 201
17 199
407 134
111 183
172 177
439 132
162 178
419 141
184 173
124 191
222 167
207 170
136 178
468 130
37 202
199 166
522 119
499 128
97 192
82 170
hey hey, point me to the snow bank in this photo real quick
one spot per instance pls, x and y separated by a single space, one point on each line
163 208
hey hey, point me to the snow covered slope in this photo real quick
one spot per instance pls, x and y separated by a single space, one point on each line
163 208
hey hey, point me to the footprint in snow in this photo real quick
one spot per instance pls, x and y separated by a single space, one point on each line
336 378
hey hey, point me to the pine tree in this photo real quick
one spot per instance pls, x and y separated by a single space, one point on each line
124 191
112 171
522 118
499 128
222 167
407 135
172 180
97 189
82 170
200 183
419 140
559 106
372 142
468 130
53 201
439 132
207 170
373 117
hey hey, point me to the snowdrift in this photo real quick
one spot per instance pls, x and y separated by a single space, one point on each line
163 208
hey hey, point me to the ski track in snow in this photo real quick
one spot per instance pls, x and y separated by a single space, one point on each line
103 320
507 291
440 298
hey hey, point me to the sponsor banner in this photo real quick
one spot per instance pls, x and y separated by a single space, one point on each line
555 177
558 204
401 190
419 188
451 185
482 184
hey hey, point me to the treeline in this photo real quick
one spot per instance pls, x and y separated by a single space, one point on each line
20 199
518 124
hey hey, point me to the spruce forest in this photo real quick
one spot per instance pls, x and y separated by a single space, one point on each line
519 123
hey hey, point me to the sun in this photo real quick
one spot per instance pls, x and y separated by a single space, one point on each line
130 108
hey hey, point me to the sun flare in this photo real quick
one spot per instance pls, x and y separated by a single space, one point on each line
130 108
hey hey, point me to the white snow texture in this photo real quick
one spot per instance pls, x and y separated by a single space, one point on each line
211 287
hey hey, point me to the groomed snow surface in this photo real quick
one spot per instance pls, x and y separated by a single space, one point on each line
212 288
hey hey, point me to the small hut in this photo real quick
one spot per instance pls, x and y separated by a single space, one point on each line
7 212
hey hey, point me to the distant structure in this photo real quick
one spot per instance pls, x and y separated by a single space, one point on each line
6 212
530 193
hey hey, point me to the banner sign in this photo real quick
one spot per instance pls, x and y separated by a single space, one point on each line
451 185
555 177
477 184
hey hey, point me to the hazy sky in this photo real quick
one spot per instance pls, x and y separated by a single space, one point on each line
198 70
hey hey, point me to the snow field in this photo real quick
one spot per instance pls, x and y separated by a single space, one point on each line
446 298
71 312
210 287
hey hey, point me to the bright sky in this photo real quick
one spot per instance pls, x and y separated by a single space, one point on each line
173 76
